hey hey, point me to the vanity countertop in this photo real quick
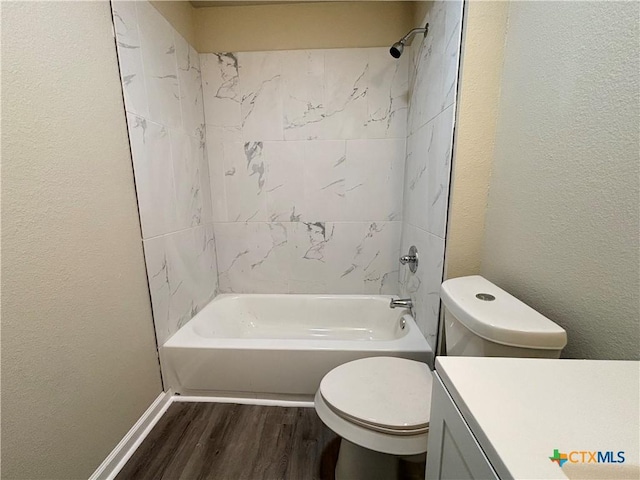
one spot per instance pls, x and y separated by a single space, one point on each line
521 410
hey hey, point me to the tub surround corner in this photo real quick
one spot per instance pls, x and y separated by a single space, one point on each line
162 87
433 85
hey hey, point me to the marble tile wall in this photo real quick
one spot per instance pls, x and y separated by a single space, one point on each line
433 79
162 89
306 155
319 166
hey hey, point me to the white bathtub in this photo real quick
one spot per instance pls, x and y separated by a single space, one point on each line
280 346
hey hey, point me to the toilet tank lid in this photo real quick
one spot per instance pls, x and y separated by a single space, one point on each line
495 315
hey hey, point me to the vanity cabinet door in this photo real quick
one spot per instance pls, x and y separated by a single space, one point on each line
453 452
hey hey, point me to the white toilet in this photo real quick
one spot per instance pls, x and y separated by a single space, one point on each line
380 406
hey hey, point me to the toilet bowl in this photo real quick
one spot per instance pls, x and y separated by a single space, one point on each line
380 407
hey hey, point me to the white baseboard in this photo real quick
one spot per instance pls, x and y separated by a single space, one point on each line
134 437
244 401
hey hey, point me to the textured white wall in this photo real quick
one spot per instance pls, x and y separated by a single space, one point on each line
478 104
79 362
562 227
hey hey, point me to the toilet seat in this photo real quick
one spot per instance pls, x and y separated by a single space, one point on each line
380 403
377 428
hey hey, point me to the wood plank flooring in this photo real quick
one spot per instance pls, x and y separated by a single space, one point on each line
235 442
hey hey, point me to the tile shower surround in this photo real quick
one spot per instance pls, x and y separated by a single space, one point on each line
162 90
433 79
317 166
306 153
335 121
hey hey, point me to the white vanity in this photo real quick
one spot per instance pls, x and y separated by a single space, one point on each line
506 417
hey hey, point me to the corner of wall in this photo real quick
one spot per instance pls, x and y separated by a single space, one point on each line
181 15
420 10
301 25
480 82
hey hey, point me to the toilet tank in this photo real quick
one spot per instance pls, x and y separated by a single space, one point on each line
482 320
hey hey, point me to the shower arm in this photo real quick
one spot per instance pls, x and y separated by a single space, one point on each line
413 32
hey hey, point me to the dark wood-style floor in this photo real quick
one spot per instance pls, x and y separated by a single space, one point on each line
233 442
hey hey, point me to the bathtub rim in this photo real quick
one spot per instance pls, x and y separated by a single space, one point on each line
413 340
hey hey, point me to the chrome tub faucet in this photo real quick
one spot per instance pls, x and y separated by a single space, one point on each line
401 303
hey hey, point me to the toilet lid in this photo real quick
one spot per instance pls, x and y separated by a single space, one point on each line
385 393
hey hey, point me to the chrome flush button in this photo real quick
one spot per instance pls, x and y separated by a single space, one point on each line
485 297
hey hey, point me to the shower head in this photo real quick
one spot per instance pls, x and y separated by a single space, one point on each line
397 48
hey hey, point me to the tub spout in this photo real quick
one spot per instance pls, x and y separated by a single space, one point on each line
401 303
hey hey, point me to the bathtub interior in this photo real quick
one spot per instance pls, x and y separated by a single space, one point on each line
300 317
284 345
